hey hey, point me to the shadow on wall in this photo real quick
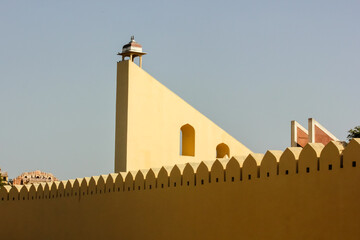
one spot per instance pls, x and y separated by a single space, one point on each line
222 151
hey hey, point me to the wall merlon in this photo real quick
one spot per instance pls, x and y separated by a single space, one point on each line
100 187
24 192
14 193
309 158
61 189
232 170
54 187
119 181
162 180
33 191
93 182
189 175
4 193
217 172
330 157
129 181
288 163
110 183
175 178
150 179
269 164
139 180
351 154
250 167
202 175
69 188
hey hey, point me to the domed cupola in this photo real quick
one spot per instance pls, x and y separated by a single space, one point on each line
132 50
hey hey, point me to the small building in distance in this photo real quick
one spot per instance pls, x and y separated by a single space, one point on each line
34 177
4 177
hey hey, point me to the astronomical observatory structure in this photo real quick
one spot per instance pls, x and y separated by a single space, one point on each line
155 127
180 176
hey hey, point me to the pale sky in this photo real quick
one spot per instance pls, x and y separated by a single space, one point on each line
250 66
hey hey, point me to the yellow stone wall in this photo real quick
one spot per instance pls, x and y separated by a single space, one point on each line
309 193
148 121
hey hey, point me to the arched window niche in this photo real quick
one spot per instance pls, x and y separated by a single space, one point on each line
222 150
187 140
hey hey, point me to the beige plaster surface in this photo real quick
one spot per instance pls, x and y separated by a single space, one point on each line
148 121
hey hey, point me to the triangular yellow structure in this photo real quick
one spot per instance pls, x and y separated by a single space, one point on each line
155 127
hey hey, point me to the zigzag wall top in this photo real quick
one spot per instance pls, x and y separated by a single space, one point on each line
312 159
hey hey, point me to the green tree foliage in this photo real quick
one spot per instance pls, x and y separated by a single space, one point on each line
354 133
1 181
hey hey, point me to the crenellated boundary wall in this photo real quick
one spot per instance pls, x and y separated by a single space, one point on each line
301 193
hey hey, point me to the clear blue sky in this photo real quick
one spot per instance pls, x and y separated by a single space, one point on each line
250 66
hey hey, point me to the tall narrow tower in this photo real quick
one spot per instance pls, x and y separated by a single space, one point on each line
132 50
151 120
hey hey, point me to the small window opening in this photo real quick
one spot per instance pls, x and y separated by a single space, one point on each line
222 151
109 189
232 179
75 194
2 199
128 188
202 181
217 180
162 185
286 172
249 177
354 163
138 187
188 183
13 198
23 198
67 194
149 186
32 198
118 189
330 167
307 170
187 140
268 174
174 184
91 192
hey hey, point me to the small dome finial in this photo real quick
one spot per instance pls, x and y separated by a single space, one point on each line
132 50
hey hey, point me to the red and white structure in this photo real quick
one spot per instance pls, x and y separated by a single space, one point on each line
316 133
